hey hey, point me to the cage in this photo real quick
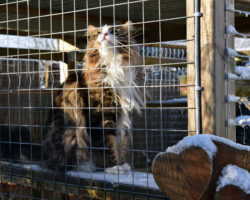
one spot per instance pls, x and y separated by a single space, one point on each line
45 53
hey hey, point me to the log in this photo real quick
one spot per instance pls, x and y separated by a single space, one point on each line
234 183
191 169
231 192
225 155
183 176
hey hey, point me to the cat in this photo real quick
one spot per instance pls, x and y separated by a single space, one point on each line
91 116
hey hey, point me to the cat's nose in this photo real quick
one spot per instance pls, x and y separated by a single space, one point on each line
104 35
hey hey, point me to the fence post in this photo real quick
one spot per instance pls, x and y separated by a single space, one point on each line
190 67
214 65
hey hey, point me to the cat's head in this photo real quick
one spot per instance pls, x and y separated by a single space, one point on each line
108 41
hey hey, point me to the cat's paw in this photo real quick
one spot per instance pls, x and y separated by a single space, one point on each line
119 169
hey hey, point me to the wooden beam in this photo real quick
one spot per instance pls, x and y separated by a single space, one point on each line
190 67
215 111
230 85
214 64
178 30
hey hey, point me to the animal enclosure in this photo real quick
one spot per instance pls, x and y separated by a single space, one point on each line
44 46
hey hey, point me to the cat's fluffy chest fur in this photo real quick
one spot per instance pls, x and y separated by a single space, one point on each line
93 126
122 78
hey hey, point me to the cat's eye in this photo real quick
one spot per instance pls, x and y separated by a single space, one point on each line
112 31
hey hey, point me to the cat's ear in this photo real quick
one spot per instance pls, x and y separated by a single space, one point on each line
128 26
91 30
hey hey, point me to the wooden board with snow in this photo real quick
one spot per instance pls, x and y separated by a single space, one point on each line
81 185
191 169
234 183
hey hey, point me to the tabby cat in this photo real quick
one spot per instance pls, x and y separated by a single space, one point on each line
91 118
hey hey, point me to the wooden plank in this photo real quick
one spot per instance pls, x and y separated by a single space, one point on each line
230 85
177 29
190 67
214 111
61 184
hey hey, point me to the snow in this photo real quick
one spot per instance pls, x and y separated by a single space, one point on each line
234 175
205 141
131 178
176 42
232 53
230 7
33 167
243 120
232 76
243 72
171 101
140 179
232 31
28 42
231 122
233 98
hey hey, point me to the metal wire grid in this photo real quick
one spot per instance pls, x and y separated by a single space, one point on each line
26 104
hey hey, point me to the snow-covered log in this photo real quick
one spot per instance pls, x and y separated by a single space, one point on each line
234 183
191 169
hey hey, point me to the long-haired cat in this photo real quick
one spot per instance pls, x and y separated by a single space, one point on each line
91 118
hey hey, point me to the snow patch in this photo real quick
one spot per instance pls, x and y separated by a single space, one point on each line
232 98
131 178
234 175
243 120
232 53
140 179
33 167
232 31
230 7
232 76
231 123
170 101
243 72
204 141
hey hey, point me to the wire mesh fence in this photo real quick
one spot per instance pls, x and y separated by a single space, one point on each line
45 85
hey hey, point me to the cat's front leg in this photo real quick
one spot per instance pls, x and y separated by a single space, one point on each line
116 146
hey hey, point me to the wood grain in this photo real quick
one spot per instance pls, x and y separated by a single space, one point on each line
231 192
184 176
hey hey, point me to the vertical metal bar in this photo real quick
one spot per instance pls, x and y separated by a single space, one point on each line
198 87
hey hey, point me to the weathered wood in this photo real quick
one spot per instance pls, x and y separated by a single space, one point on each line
231 192
190 67
183 176
191 175
212 45
215 111
242 89
225 155
230 109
